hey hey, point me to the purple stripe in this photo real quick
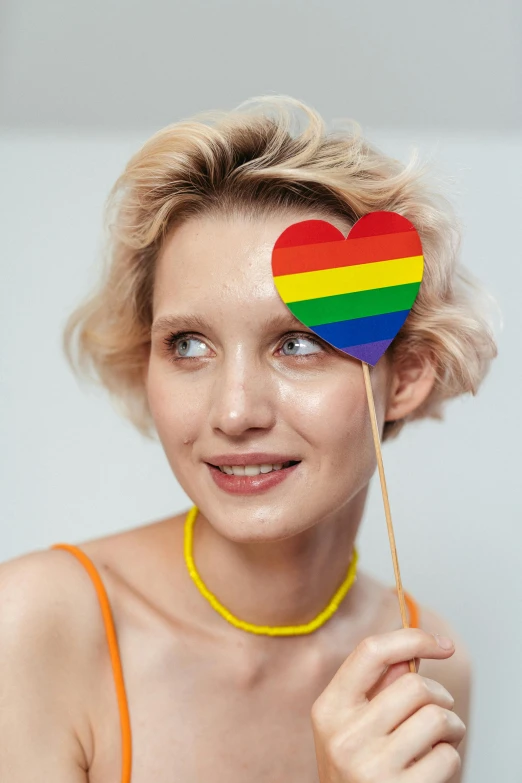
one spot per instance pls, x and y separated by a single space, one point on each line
368 352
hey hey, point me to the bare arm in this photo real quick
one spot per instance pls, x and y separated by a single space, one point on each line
44 730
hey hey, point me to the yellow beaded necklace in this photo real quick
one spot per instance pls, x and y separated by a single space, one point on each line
266 630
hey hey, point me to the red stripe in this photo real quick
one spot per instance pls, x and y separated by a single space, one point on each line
308 232
380 222
331 255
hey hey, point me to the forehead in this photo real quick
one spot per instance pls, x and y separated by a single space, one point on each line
215 260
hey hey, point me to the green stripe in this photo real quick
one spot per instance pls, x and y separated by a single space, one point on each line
345 307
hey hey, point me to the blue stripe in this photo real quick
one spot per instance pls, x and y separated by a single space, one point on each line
371 329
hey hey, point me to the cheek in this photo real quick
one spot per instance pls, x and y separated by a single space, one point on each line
333 416
347 445
176 409
349 426
336 425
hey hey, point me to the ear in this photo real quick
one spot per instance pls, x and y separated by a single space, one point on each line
411 382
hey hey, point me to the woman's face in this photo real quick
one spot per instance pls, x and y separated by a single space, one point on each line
235 380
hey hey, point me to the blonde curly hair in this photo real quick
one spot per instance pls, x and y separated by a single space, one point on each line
271 154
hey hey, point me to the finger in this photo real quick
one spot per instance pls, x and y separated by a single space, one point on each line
402 699
437 766
391 674
368 662
419 733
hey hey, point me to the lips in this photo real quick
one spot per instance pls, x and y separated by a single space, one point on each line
248 485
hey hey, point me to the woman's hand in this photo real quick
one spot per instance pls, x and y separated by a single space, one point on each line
377 722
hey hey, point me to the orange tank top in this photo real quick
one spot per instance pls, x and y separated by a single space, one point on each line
114 652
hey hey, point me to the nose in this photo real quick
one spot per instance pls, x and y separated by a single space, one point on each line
242 397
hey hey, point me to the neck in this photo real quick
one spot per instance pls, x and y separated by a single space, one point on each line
285 582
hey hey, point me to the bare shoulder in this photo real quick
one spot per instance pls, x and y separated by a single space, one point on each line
49 628
457 670
55 676
44 600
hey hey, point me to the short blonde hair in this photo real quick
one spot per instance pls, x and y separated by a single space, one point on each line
271 154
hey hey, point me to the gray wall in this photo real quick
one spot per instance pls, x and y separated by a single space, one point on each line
81 87
118 64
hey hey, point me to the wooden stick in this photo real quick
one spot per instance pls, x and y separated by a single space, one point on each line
384 491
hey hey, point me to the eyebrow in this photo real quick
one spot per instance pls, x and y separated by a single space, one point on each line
178 322
192 321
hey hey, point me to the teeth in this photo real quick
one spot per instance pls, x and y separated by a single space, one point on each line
252 470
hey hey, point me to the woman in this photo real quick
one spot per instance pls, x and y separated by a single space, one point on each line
266 428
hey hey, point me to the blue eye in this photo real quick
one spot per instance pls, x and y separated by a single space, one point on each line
299 342
184 348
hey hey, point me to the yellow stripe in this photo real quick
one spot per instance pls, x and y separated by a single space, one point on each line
348 279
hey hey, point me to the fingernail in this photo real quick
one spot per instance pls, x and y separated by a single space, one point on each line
444 642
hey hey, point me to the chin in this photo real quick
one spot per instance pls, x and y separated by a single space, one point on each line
253 519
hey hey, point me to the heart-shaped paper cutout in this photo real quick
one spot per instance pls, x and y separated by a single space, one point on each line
354 293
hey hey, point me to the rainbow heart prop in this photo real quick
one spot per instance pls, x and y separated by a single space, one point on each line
354 293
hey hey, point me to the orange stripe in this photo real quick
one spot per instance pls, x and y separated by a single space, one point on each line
114 653
350 252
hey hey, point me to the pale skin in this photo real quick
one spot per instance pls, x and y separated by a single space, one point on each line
209 702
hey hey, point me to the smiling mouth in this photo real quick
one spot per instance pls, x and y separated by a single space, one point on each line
253 470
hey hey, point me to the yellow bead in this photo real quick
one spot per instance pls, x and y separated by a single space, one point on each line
265 630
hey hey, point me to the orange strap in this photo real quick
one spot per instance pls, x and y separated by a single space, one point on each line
413 610
114 652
